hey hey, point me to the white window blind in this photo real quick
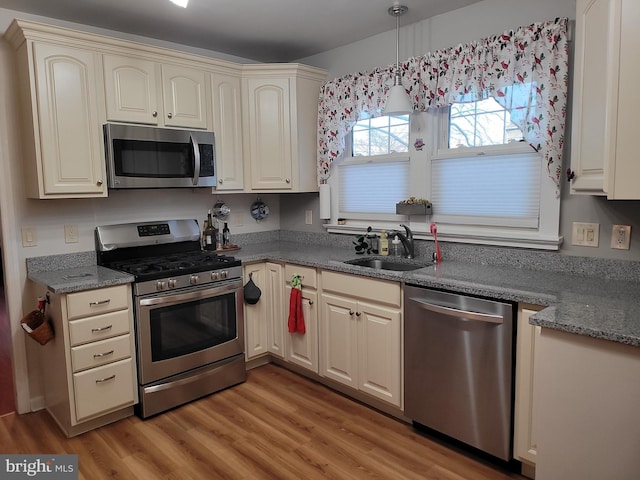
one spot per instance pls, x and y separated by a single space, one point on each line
488 190
372 188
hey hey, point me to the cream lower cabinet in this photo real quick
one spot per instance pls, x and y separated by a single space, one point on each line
139 90
62 133
302 349
264 327
587 393
360 334
606 99
90 374
525 444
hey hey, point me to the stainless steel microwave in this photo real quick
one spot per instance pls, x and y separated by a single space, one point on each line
149 157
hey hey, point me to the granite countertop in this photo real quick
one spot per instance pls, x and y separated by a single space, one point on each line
606 309
580 304
79 278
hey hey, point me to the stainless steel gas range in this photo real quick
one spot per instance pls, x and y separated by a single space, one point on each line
188 310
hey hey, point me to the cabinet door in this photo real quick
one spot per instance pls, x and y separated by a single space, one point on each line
255 315
379 371
275 317
338 344
130 89
595 94
524 440
268 121
303 349
183 91
70 134
227 125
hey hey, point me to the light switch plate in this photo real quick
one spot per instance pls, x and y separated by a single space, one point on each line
585 234
29 237
71 233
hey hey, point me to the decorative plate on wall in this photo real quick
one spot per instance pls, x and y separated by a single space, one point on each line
259 210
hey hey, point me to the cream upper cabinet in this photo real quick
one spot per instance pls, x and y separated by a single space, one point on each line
143 91
606 99
280 112
360 343
525 444
61 105
227 125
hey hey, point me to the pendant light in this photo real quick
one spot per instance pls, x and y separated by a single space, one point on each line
181 3
398 101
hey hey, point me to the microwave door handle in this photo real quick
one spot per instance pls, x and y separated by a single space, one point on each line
196 159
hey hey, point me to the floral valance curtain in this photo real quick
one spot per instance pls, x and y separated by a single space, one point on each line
533 58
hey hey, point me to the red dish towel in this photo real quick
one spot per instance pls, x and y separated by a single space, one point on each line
296 319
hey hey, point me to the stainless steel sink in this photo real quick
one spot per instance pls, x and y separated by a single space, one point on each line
380 264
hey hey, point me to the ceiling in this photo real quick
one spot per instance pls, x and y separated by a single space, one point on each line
265 31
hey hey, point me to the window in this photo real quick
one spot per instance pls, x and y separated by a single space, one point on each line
486 183
483 145
376 176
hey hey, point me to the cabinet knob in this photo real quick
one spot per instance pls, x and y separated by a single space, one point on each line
358 314
154 114
220 181
351 312
310 302
288 180
170 115
99 182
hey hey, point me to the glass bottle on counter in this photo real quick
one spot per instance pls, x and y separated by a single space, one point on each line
209 234
226 235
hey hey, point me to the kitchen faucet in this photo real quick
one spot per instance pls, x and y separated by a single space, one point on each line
407 241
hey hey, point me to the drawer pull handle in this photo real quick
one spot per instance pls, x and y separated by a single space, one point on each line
105 354
100 302
106 379
101 329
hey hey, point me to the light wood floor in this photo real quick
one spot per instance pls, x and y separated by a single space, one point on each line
277 425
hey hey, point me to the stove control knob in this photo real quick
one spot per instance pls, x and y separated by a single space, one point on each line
161 285
215 276
173 283
194 279
224 274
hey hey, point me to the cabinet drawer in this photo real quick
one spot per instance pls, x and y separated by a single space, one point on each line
308 275
382 291
98 353
99 327
92 302
104 388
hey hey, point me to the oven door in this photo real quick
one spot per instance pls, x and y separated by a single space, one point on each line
177 332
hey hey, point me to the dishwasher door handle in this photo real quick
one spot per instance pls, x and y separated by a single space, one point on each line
455 312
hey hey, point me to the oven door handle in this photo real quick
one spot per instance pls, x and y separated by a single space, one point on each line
196 159
183 297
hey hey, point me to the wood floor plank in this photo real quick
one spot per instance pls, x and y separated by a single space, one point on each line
277 425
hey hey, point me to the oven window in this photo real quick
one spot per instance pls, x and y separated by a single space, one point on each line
193 326
139 158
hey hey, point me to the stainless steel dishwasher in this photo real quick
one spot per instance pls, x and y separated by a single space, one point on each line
458 363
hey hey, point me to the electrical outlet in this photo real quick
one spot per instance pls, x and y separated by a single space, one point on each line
29 237
585 234
308 217
71 234
621 237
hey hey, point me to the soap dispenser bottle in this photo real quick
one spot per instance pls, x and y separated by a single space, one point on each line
384 243
396 247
